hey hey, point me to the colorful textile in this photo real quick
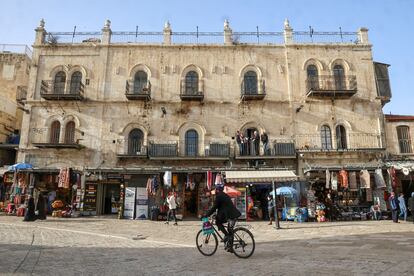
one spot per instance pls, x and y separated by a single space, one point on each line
364 178
369 194
379 179
393 177
353 181
175 180
64 178
334 181
218 180
343 179
149 185
167 178
209 180
328 179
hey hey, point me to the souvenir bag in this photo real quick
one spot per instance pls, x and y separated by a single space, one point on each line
207 227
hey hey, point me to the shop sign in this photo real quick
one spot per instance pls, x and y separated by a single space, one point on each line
141 210
129 205
114 176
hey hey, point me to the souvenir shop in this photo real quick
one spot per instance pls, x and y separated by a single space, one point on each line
345 193
254 188
14 188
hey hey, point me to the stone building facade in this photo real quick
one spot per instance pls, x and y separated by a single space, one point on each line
15 61
138 103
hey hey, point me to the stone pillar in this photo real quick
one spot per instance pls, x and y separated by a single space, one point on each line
363 35
228 33
106 33
40 33
288 33
167 33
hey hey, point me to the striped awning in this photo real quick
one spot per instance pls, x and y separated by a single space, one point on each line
259 176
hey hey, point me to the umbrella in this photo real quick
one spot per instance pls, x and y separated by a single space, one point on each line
20 166
284 191
231 192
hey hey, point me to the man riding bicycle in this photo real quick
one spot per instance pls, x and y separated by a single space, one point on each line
226 212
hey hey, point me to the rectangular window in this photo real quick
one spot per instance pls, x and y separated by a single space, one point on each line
404 140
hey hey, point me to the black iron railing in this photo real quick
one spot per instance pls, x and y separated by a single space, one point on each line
51 90
253 90
163 150
138 91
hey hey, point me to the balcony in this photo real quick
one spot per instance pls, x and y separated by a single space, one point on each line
182 151
51 138
137 92
278 149
190 94
253 93
49 90
125 151
354 142
331 87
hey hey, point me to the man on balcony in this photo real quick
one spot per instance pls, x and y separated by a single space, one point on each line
265 141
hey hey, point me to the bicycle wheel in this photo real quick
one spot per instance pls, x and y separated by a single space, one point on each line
243 243
206 244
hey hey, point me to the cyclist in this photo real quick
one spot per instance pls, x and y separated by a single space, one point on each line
226 212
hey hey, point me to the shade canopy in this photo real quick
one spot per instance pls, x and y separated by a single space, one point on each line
20 166
259 176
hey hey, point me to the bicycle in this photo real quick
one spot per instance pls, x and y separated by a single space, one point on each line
242 240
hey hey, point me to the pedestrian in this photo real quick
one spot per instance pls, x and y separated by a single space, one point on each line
30 210
172 206
265 142
41 207
403 207
376 210
270 208
393 200
256 142
239 141
411 205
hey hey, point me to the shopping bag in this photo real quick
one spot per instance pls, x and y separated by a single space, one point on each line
207 227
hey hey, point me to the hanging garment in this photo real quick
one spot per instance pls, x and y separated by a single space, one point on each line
393 175
379 179
328 179
209 179
353 181
167 178
149 185
218 180
343 179
64 178
187 183
175 179
155 184
369 194
334 181
364 178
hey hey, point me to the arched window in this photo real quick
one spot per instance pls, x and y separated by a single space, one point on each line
191 143
54 132
75 82
313 79
341 137
250 82
70 133
339 77
140 82
326 137
135 141
59 83
404 140
191 83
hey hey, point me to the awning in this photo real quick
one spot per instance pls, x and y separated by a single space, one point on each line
259 176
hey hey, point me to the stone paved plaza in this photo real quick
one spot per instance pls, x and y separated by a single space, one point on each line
107 246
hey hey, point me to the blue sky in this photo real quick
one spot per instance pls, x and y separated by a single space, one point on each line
390 24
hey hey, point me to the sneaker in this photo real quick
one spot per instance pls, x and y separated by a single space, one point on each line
166 222
175 224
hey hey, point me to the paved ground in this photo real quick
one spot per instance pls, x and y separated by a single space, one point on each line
109 246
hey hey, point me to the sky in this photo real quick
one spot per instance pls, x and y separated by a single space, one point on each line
390 24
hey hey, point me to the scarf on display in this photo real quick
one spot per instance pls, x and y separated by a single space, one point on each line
364 178
343 179
190 182
369 194
393 177
328 179
167 178
334 181
379 179
64 178
353 181
209 180
219 179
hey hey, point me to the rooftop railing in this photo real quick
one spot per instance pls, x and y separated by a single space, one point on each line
16 48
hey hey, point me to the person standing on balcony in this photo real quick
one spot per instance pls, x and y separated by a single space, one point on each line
239 141
256 142
265 141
